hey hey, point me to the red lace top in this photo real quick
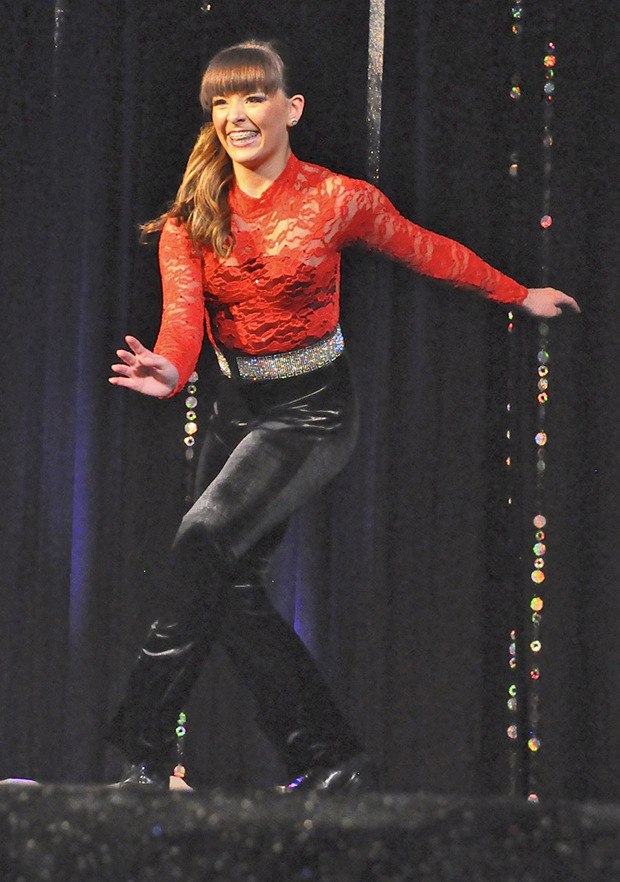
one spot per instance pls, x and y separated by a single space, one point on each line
279 288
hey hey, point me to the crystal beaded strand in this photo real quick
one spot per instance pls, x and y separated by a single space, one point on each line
190 434
180 732
541 438
517 14
190 431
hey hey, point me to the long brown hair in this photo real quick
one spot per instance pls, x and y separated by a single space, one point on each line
201 201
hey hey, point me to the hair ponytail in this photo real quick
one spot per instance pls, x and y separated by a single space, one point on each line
202 198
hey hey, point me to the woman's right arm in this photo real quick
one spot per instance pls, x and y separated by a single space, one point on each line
166 370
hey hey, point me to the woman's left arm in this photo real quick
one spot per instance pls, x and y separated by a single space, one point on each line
369 216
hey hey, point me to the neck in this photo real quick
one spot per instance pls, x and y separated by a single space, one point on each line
253 181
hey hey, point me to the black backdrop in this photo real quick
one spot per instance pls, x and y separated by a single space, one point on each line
399 576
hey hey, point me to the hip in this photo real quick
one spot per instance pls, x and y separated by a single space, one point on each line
322 401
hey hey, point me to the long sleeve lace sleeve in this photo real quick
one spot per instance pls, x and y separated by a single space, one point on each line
182 324
371 218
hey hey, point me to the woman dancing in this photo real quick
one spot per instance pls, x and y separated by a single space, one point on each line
250 251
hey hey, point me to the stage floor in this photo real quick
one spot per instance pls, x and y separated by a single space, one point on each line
96 834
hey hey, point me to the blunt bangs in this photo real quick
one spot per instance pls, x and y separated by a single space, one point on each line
241 69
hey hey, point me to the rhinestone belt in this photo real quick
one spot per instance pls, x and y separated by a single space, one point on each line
285 364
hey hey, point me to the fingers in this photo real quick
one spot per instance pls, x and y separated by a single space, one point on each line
128 357
140 355
561 299
124 370
571 303
131 361
135 345
145 355
122 381
555 301
549 303
143 370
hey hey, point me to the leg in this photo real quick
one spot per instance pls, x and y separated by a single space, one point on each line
295 707
172 654
272 471
179 639
299 436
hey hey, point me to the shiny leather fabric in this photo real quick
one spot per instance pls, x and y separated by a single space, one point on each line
143 775
269 446
358 774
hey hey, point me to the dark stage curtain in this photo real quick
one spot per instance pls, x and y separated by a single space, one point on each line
407 575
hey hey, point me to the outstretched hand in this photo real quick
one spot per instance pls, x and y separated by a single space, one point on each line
143 371
548 303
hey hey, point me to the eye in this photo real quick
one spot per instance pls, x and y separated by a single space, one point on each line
258 98
218 102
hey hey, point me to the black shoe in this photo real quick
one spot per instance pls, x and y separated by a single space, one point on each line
145 775
355 775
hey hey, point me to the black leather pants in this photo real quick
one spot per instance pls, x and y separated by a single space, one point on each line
269 446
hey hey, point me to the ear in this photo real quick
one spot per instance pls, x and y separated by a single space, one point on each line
296 107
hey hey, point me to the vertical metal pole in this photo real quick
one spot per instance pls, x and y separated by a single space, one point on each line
376 40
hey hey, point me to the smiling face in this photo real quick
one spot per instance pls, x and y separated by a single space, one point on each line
253 126
244 90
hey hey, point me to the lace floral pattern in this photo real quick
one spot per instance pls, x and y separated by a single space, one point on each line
279 288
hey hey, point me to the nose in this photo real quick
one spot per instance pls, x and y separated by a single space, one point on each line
236 109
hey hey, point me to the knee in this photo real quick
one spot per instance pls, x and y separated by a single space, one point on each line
193 530
196 539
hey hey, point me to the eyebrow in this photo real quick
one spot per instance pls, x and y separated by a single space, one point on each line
245 92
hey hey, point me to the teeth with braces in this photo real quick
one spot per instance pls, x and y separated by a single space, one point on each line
246 136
